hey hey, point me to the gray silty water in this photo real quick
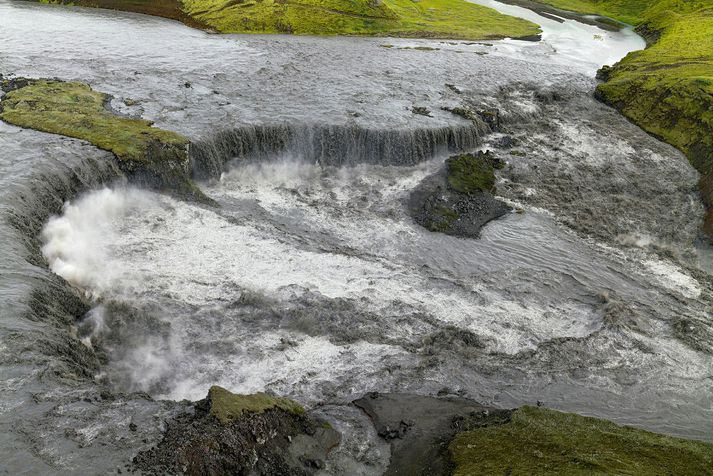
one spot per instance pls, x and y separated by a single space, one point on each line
310 280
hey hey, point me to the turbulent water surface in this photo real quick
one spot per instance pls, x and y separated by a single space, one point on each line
309 279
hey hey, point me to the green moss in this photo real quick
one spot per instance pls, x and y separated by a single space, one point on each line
152 157
546 442
75 110
227 406
442 219
406 18
668 88
468 173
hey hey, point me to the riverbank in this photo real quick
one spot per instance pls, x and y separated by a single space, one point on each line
448 19
666 89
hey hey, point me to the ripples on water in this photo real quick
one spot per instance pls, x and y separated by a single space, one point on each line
311 281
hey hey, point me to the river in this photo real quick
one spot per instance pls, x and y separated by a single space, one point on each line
310 280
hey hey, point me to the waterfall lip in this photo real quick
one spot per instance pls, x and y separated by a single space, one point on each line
333 144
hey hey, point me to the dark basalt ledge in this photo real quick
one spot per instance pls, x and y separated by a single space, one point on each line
420 428
241 434
458 199
170 9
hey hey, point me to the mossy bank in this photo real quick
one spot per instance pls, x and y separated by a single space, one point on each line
456 19
547 442
666 89
150 156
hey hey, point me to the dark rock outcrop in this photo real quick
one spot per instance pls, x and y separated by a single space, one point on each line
241 434
458 200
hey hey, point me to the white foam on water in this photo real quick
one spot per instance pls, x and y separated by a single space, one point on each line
674 278
138 246
583 47
294 233
311 362
74 242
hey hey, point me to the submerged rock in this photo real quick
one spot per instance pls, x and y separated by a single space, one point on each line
458 199
241 434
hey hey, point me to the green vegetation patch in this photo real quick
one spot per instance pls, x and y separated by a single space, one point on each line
668 88
442 219
227 406
457 19
471 173
405 18
75 110
547 442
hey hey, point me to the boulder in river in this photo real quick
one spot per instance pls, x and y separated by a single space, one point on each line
458 200
241 434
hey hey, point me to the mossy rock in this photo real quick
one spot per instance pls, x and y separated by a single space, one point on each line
228 407
442 219
547 442
75 110
458 199
472 173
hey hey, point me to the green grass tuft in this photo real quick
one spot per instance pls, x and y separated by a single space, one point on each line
75 110
442 219
547 442
468 173
227 406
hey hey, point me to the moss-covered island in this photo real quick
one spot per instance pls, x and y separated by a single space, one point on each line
458 200
666 89
456 19
547 442
151 156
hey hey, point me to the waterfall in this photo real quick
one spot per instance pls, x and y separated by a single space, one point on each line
331 144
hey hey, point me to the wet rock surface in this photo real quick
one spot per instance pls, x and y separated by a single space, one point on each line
458 202
264 440
510 318
419 428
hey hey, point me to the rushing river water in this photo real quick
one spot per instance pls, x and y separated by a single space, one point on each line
309 279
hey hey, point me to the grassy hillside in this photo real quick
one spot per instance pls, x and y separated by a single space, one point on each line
547 442
424 18
666 89
408 18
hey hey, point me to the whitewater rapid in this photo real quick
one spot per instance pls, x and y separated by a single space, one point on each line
309 279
